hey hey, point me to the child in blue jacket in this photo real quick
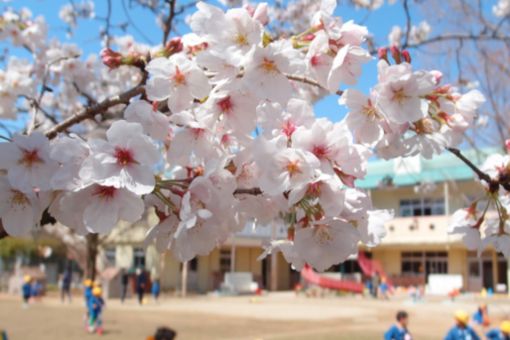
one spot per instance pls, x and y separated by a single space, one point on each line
26 290
461 330
399 331
96 304
503 333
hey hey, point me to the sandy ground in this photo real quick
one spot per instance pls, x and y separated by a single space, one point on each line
277 316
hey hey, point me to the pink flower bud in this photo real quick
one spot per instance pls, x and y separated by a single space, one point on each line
260 13
395 53
406 56
382 53
111 58
507 144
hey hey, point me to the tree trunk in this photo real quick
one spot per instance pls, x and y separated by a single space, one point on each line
92 250
3 233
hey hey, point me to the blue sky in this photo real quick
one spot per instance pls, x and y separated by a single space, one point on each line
86 36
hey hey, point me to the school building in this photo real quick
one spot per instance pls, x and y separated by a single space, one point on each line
423 194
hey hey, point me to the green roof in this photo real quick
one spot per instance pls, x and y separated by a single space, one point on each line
413 170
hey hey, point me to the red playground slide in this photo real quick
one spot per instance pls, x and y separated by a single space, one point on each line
310 276
368 266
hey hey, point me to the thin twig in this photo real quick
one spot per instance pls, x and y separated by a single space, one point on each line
310 82
108 23
463 37
408 24
169 21
133 24
482 175
90 99
91 111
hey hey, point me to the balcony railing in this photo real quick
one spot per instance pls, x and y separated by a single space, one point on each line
419 230
263 232
400 230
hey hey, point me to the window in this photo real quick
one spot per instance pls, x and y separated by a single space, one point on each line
109 254
192 265
416 263
139 258
421 207
225 259
347 267
474 269
412 263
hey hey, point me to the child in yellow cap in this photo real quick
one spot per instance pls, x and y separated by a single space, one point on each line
96 304
461 330
26 289
87 294
503 333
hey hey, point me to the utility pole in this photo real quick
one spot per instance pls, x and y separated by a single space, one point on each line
184 279
274 261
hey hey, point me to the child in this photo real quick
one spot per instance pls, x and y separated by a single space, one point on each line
461 330
96 304
87 294
26 289
36 290
481 316
399 331
383 289
3 335
87 290
503 333
163 333
156 289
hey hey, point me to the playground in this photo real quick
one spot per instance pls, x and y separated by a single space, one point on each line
273 316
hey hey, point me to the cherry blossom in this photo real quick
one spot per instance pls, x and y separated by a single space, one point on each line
399 90
69 152
326 243
154 123
363 120
235 106
265 75
466 223
98 208
20 211
178 80
282 169
372 230
125 160
27 161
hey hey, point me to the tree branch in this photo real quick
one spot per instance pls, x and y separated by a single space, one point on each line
310 82
408 24
3 233
482 175
91 111
169 21
462 37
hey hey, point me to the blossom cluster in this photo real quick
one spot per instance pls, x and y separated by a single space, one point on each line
224 134
55 80
417 34
487 220
502 8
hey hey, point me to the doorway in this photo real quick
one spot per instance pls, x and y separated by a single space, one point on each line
488 280
266 272
502 273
